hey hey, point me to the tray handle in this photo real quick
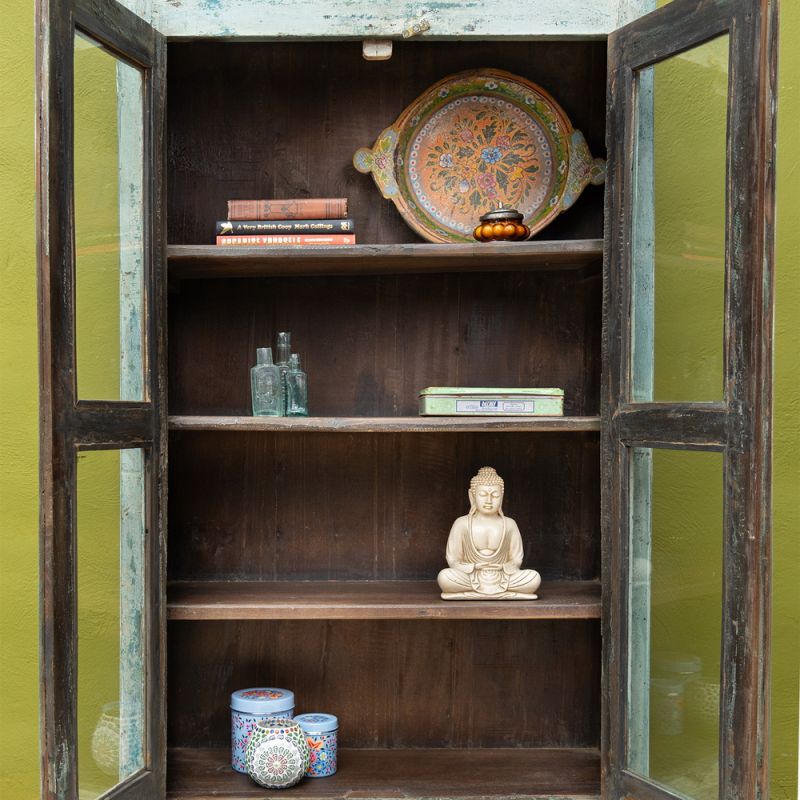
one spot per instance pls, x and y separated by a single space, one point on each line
583 170
379 160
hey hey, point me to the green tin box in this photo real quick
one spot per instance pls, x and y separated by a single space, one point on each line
468 401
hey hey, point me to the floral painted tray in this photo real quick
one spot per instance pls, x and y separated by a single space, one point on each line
476 140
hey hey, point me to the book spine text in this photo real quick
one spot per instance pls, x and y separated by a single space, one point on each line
261 226
303 208
287 240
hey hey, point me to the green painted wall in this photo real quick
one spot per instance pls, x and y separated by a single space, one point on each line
19 760
19 446
786 429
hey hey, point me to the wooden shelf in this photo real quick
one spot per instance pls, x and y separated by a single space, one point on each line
211 261
185 422
297 600
525 774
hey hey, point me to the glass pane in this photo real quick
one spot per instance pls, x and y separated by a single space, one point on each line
111 591
109 248
678 246
676 619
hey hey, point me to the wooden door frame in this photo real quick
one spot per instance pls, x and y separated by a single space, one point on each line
68 424
739 426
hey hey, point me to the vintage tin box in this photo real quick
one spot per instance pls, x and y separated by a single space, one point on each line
322 734
248 708
467 401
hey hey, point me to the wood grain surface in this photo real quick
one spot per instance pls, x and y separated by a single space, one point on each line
283 120
503 774
324 506
396 683
459 424
210 261
370 344
200 600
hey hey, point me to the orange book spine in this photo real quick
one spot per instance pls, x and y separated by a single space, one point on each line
303 208
287 239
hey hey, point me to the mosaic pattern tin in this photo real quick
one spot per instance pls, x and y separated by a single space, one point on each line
475 140
322 734
277 753
248 708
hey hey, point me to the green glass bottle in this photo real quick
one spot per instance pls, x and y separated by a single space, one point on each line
296 389
266 387
282 354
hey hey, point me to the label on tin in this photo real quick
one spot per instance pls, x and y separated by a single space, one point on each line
496 406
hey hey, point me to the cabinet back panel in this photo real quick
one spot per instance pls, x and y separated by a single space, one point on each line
280 120
397 683
313 506
369 344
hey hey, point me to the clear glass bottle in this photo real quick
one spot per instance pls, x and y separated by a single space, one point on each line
284 349
296 389
266 386
283 352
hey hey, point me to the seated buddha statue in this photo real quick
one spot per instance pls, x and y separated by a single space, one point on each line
484 549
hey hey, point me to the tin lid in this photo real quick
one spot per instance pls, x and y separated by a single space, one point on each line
317 722
262 700
502 213
458 391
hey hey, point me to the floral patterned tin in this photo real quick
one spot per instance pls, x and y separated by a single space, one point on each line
322 732
277 753
248 708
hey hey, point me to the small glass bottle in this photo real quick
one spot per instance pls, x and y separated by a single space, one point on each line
283 352
266 386
296 389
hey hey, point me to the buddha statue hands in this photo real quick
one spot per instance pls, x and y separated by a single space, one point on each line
484 549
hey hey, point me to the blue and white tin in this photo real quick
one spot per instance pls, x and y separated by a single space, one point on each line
322 734
248 708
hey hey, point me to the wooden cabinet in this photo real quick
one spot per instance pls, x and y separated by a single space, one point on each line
302 552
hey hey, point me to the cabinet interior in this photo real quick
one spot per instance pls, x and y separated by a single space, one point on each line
457 706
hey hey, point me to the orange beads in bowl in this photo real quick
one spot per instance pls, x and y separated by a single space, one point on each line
504 224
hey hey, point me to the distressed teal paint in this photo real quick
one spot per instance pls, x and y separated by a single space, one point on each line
641 475
132 593
130 149
629 10
639 617
643 242
352 19
130 127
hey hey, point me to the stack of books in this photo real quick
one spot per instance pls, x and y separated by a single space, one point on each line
305 222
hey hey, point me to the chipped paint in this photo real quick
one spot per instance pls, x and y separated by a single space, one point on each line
352 19
130 148
629 10
142 8
132 612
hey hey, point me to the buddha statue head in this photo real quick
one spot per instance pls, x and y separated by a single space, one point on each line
486 493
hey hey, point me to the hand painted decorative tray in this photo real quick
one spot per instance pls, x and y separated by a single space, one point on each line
475 140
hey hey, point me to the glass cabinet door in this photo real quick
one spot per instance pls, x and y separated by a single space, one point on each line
686 402
101 277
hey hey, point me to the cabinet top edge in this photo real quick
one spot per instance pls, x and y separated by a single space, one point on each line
348 19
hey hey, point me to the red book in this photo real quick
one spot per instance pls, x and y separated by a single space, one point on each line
287 240
303 208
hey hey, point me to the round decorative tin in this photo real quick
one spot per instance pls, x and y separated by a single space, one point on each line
322 733
248 708
475 139
277 753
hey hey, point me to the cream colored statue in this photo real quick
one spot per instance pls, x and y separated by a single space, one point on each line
484 549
